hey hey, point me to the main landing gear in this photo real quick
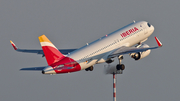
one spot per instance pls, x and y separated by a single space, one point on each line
89 68
120 66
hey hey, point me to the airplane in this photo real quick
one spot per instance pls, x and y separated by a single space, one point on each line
126 40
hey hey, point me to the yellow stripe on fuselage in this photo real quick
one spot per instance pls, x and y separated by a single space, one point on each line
43 38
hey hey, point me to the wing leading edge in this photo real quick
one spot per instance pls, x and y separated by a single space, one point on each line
63 51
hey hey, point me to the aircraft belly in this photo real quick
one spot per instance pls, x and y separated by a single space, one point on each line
87 64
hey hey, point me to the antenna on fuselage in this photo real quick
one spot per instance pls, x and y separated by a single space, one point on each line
134 21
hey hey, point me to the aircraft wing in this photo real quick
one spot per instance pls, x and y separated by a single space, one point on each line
126 50
63 51
34 68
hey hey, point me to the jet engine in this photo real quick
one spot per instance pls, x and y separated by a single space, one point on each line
140 55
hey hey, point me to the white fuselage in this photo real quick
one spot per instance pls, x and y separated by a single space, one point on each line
97 51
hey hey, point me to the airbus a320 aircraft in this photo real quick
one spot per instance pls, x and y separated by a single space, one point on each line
126 40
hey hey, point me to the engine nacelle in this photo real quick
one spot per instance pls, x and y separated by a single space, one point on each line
140 55
109 61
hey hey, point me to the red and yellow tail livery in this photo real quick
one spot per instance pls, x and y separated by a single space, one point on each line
51 53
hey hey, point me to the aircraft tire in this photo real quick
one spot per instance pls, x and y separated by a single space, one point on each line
87 69
91 68
120 67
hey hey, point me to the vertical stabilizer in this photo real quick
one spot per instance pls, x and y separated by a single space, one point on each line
51 53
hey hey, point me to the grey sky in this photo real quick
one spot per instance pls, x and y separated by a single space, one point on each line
72 24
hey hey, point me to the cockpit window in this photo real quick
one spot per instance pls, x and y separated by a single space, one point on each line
148 24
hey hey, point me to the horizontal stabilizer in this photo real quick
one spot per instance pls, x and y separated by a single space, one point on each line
34 68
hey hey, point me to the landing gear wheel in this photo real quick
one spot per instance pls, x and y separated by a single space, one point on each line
91 68
120 67
87 69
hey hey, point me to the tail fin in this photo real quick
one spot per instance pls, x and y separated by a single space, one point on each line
51 53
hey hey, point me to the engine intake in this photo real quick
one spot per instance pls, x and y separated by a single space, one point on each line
140 55
136 56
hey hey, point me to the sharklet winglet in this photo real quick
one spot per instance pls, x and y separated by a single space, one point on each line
14 46
158 42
